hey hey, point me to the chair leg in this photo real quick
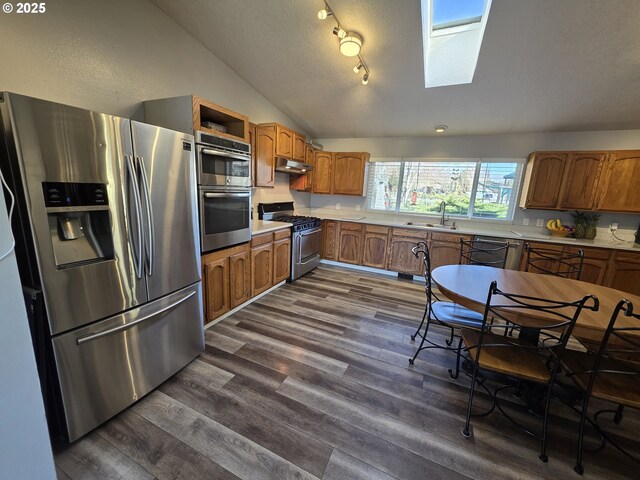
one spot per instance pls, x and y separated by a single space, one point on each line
472 390
424 337
451 374
618 416
424 316
450 341
543 452
579 469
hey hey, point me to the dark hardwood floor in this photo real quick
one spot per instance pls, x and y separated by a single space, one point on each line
312 381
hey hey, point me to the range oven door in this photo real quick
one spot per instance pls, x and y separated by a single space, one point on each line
306 252
219 168
225 218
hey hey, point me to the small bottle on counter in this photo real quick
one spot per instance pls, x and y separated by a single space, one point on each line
637 234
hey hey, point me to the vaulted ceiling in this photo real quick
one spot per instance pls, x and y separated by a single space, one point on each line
544 65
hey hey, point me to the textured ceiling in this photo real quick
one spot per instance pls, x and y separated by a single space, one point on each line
544 65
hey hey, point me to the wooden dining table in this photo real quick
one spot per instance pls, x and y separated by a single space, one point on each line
468 285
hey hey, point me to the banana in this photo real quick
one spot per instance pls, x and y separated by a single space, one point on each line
550 224
559 224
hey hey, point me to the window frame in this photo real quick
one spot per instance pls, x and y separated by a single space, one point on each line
517 185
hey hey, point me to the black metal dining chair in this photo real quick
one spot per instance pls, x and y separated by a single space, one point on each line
489 253
611 374
447 314
520 362
550 261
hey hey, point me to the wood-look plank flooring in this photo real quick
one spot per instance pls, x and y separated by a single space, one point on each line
312 381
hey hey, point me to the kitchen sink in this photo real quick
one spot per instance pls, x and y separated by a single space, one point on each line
432 225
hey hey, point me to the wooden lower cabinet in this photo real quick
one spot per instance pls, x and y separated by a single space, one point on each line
281 259
350 244
444 249
330 234
624 272
376 243
239 278
261 268
225 279
594 265
216 274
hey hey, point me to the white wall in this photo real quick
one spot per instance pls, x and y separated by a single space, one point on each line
25 451
111 55
486 146
280 193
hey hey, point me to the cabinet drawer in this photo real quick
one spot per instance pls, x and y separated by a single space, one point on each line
448 237
376 229
280 234
261 239
409 232
356 227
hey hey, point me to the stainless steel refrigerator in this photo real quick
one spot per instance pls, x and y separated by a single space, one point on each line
106 229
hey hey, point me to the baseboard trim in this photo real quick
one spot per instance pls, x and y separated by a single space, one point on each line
359 267
240 307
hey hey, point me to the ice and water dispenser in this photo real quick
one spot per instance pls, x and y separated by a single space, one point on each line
79 222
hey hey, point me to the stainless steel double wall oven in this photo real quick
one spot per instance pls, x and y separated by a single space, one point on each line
224 190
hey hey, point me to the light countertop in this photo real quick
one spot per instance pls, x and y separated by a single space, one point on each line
265 226
511 232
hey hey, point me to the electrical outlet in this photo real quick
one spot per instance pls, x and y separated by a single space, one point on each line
357 208
337 206
525 221
540 222
613 227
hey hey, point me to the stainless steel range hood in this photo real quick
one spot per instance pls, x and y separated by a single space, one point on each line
291 166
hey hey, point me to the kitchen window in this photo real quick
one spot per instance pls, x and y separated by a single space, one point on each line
471 188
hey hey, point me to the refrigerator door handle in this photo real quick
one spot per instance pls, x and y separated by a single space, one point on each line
136 202
126 326
149 208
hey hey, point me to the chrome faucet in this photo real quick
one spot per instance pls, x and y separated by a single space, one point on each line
443 220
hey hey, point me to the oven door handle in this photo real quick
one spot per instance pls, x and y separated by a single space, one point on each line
310 232
220 153
299 236
220 195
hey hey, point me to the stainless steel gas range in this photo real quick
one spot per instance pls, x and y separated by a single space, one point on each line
305 237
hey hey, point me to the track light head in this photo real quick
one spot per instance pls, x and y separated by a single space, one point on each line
365 78
324 13
338 32
357 68
440 128
351 44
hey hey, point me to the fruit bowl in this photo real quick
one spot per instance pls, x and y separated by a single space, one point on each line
560 233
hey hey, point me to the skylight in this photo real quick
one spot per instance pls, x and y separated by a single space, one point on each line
452 32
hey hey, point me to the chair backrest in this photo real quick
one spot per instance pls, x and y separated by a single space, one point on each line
490 253
619 352
549 322
554 262
421 251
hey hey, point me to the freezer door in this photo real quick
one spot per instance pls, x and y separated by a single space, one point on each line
108 366
62 145
167 172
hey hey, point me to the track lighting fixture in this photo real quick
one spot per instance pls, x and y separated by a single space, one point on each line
338 32
440 128
325 13
350 43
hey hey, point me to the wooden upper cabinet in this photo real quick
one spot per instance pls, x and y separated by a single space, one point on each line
264 167
322 172
299 147
619 188
582 175
543 180
303 183
349 173
284 142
